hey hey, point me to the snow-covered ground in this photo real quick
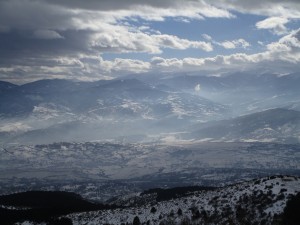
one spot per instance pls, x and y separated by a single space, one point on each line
260 199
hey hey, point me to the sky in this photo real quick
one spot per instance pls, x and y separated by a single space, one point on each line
106 39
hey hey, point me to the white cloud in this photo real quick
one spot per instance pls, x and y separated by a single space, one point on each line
260 43
114 38
287 48
228 44
270 8
239 43
124 65
171 41
166 64
276 24
207 37
197 88
283 54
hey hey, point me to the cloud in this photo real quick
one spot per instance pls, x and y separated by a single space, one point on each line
260 43
66 38
162 63
174 42
197 88
207 37
47 34
149 9
84 67
35 15
281 55
199 9
232 44
287 48
276 24
76 14
120 39
124 65
239 43
91 28
69 14
270 8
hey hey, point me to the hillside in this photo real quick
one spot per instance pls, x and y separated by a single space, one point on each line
270 200
260 201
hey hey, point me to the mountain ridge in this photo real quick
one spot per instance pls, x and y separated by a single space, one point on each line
284 123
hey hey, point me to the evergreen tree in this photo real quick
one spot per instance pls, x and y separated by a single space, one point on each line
136 221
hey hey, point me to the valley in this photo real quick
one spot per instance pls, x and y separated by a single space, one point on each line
102 170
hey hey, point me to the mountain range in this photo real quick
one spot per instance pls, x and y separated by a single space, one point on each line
235 107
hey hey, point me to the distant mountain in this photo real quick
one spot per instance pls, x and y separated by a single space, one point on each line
153 105
280 125
245 92
103 97
6 86
231 81
128 107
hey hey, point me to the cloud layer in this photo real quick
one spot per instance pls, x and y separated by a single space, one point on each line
69 38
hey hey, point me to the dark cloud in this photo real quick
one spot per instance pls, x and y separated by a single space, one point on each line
28 15
242 5
104 5
18 47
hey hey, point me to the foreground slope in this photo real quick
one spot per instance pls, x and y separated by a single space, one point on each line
260 201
